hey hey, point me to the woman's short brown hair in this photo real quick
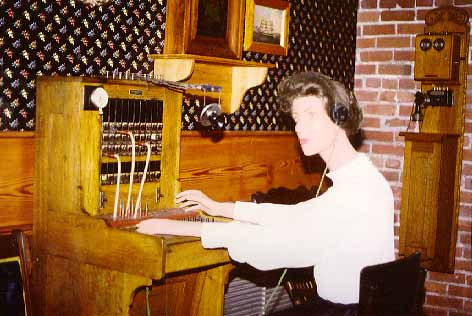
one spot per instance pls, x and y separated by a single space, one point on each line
316 84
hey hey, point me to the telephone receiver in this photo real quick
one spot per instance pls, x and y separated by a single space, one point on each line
417 114
212 117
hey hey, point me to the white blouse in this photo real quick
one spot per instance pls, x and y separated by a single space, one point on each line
345 229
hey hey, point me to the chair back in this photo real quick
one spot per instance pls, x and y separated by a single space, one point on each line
24 251
393 288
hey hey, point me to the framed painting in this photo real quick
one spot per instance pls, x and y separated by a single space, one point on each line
205 27
266 26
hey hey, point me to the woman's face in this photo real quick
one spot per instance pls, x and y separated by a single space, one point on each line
315 129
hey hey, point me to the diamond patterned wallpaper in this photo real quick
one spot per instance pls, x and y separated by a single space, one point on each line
68 38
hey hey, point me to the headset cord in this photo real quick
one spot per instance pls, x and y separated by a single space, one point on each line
264 310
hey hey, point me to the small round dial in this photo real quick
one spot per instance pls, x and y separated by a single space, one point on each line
99 98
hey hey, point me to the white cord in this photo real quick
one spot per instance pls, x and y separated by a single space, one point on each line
143 179
117 193
133 159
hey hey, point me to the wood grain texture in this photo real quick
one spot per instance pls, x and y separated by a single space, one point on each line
238 164
16 181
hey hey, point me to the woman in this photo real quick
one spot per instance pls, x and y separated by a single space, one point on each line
341 231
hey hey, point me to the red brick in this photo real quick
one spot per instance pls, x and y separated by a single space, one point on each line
461 291
368 4
466 197
444 2
376 109
467 155
397 15
378 55
458 313
379 136
404 96
397 190
468 305
365 69
465 211
468 127
396 123
368 16
404 55
468 183
463 265
424 3
388 96
364 95
405 110
390 84
410 28
378 29
397 3
365 42
435 287
393 163
387 149
434 311
465 239
407 84
465 226
467 169
401 69
444 301
456 278
393 42
372 83
391 175
370 122
357 83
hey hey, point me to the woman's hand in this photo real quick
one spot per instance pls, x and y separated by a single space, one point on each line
193 200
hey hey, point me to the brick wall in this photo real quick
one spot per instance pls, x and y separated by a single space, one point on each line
385 87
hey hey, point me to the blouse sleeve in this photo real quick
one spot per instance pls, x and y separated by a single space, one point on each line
265 213
263 247
298 240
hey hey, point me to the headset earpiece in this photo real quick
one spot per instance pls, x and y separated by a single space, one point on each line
340 113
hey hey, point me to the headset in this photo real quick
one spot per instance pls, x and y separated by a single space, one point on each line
340 112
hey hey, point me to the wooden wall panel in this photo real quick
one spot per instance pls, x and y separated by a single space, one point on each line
231 168
241 163
16 180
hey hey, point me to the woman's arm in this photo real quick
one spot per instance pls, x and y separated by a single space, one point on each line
169 227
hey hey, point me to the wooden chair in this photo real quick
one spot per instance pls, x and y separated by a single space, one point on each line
24 252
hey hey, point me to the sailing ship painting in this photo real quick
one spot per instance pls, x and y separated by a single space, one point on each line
268 25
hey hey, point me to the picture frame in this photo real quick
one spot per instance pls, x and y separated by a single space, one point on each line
266 26
205 27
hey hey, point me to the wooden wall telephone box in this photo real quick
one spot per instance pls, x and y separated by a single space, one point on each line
433 156
437 57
